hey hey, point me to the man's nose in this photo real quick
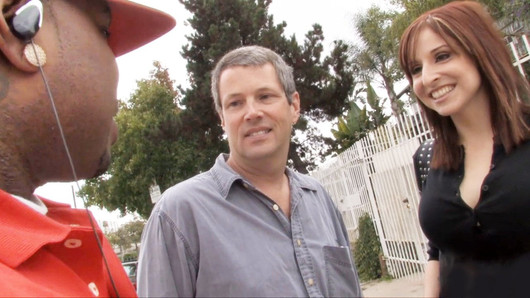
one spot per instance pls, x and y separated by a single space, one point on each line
253 109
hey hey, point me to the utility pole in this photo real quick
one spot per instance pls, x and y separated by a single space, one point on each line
73 196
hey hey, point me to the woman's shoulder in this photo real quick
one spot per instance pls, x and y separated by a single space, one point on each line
422 161
425 148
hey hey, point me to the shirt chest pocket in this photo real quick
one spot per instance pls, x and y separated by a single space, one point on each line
341 274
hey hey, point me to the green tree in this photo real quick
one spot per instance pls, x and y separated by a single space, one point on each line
133 230
120 239
325 83
367 250
351 128
357 122
127 235
376 57
147 150
166 137
376 114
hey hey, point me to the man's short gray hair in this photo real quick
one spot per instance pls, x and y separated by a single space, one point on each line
253 56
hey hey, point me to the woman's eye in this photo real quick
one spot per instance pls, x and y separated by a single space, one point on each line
442 56
415 70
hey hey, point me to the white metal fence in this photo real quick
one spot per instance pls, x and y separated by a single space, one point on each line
376 176
520 50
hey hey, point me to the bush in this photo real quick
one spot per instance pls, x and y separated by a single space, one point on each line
367 250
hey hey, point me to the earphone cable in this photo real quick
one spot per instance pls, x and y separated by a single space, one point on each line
65 144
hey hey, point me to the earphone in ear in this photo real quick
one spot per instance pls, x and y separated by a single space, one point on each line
27 20
25 24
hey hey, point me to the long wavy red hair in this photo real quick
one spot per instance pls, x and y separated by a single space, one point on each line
468 27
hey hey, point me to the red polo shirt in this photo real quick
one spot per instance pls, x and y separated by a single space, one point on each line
54 254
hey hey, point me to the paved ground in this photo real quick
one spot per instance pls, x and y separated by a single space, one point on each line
394 288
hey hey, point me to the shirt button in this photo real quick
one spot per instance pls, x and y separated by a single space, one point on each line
275 207
93 288
73 243
310 282
298 242
485 187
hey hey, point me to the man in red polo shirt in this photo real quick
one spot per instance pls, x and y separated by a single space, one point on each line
57 103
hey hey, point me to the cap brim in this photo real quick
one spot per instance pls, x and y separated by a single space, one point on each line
132 25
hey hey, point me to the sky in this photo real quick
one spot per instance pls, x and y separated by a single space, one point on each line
335 17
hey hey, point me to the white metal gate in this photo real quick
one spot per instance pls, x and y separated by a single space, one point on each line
376 176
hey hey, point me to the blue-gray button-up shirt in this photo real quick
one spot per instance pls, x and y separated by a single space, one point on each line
217 235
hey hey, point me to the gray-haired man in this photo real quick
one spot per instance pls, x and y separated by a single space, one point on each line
249 226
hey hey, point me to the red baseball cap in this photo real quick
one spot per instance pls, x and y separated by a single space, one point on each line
132 25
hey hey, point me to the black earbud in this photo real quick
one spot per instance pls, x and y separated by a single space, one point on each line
27 20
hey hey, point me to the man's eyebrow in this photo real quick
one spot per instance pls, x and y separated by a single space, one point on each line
262 89
231 95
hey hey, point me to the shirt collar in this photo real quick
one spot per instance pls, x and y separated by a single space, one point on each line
225 176
34 202
23 230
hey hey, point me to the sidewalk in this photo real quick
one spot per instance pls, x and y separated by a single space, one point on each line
393 288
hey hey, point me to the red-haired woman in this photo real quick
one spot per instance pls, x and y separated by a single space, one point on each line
475 206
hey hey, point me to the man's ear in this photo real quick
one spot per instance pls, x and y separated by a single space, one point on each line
222 120
13 48
295 106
